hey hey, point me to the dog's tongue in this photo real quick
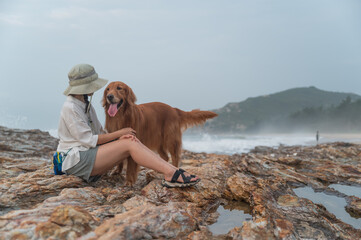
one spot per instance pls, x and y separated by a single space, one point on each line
113 109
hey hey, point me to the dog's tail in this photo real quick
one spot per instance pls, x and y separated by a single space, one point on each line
194 117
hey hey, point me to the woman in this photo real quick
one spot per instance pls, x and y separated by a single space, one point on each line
89 151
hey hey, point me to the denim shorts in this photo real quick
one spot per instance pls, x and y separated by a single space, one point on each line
85 166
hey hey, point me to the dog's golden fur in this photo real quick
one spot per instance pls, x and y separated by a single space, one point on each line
158 125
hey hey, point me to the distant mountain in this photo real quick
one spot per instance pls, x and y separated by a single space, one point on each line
257 112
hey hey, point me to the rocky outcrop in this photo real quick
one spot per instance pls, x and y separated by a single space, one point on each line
35 204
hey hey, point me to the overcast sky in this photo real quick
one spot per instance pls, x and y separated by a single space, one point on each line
188 54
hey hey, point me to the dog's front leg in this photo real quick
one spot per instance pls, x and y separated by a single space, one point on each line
132 171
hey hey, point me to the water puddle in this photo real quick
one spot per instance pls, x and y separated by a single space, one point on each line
335 205
230 216
348 190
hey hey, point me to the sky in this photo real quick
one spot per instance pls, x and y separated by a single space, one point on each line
189 54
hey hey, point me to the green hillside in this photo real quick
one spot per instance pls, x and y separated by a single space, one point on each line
253 113
345 118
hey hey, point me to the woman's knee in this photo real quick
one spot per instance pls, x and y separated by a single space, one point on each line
129 144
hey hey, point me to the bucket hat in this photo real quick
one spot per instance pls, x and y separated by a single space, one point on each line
83 80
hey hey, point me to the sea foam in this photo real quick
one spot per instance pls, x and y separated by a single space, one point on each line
240 144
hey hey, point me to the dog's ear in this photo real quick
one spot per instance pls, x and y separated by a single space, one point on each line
104 100
131 98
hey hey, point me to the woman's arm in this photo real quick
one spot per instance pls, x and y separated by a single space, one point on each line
104 138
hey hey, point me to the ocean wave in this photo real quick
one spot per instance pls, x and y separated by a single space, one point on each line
12 121
53 133
240 144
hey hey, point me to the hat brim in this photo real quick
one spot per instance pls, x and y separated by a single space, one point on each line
86 88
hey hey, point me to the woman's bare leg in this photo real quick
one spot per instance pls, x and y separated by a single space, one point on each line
110 154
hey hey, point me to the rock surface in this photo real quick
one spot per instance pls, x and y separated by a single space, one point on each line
35 204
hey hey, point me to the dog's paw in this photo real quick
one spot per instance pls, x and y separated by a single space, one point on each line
128 184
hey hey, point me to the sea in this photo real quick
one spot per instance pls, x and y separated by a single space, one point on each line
237 144
232 144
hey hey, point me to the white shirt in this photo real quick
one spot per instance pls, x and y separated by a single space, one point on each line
75 131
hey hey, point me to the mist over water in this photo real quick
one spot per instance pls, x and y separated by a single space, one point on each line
240 143
12 121
233 144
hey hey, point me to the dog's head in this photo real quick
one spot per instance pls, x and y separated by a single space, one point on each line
117 95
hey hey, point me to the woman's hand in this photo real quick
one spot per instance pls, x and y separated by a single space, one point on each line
108 137
126 131
130 136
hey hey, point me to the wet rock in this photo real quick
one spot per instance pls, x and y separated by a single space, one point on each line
28 189
258 229
241 186
150 222
354 206
284 228
288 201
19 144
35 204
24 151
70 207
262 149
66 222
202 233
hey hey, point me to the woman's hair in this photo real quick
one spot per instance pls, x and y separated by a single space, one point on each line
86 102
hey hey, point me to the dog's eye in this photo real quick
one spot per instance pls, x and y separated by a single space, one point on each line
107 89
119 88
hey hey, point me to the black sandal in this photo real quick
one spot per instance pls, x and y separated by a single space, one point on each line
192 176
186 180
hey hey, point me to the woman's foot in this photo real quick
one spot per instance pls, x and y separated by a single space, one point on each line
180 178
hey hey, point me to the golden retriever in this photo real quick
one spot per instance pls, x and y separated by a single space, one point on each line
158 125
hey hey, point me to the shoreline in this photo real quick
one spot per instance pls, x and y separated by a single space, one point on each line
238 144
349 137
